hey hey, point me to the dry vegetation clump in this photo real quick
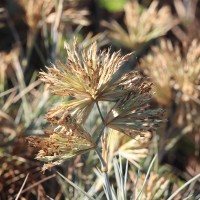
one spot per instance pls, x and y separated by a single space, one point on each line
19 118
142 24
176 77
13 173
155 186
188 14
133 149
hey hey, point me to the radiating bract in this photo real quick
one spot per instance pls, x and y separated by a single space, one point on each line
131 115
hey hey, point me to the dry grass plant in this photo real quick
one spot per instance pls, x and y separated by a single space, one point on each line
87 78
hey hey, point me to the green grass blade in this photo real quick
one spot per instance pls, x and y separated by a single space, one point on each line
183 186
76 187
148 172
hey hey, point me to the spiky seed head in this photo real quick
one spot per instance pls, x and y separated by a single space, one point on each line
142 25
67 140
176 78
86 78
131 114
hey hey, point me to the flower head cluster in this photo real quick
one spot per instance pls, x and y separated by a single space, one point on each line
176 76
131 115
132 149
86 78
142 24
70 12
67 140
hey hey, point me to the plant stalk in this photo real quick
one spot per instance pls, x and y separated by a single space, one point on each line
100 113
106 178
100 134
103 163
104 123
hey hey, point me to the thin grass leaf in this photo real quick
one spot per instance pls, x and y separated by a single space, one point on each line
146 177
76 187
20 77
183 186
19 193
188 197
126 175
120 178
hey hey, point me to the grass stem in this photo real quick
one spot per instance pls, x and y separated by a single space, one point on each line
100 134
100 113
106 178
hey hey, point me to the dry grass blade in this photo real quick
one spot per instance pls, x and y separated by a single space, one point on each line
8 91
26 90
187 13
153 187
37 183
146 185
18 195
183 186
75 186
20 77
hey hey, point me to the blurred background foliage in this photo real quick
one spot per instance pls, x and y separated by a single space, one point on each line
165 38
